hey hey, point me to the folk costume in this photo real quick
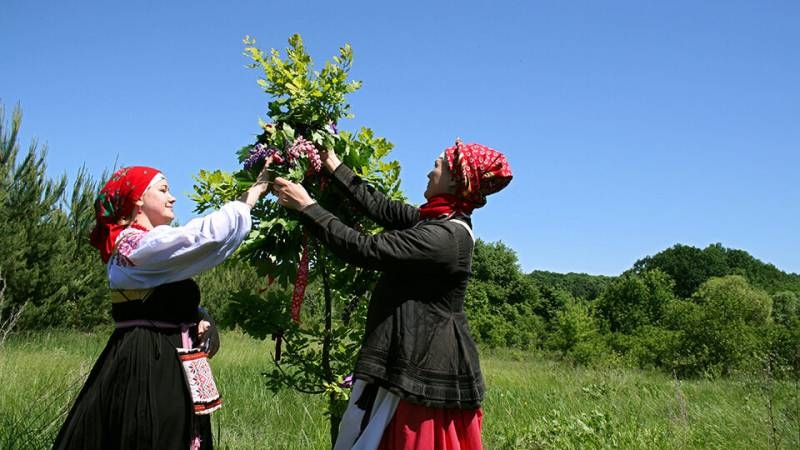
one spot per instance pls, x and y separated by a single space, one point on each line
418 382
138 396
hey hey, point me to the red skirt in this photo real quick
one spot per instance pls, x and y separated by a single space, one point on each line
416 427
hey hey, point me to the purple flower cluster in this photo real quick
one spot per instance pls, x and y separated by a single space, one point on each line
257 154
303 146
347 382
299 148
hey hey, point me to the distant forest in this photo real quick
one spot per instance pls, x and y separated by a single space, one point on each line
685 310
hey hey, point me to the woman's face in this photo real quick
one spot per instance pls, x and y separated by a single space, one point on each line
157 204
439 180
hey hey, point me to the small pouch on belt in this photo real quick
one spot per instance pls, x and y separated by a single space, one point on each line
129 295
200 380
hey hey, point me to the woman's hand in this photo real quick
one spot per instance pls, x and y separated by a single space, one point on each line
291 195
207 333
329 160
262 184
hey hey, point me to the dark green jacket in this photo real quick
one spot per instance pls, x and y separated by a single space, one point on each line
417 342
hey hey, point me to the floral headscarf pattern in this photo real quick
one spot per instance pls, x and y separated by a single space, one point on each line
478 170
115 204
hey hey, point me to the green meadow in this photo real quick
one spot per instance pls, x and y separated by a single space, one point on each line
532 402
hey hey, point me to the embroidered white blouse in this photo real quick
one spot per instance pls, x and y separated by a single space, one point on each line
146 259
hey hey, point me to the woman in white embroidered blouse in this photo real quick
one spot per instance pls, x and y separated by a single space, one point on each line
137 395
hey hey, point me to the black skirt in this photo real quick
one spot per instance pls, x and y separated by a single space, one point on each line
136 397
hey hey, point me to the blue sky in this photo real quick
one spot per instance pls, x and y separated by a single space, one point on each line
630 125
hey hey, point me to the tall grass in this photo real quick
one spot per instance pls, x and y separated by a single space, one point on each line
39 376
531 402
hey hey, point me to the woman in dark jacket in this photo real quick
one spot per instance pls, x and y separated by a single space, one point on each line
418 379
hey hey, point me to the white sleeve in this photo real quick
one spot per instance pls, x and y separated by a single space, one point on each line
166 254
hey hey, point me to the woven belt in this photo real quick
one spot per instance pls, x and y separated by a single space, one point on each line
186 340
129 295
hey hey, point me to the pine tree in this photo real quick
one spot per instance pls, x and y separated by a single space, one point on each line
44 252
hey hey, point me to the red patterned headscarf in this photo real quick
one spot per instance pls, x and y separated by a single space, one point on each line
478 170
115 203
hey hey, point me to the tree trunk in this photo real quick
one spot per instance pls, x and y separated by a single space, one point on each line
333 409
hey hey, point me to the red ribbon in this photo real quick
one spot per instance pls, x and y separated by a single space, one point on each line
300 282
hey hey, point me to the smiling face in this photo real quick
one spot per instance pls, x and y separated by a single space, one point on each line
439 180
156 204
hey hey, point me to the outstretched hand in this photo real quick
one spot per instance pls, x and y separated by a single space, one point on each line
262 183
329 159
265 176
291 195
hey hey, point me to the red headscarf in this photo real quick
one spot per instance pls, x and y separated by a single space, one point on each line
478 171
115 204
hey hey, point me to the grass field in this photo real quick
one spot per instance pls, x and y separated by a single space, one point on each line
531 402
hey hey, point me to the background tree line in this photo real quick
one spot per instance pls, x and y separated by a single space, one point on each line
689 311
